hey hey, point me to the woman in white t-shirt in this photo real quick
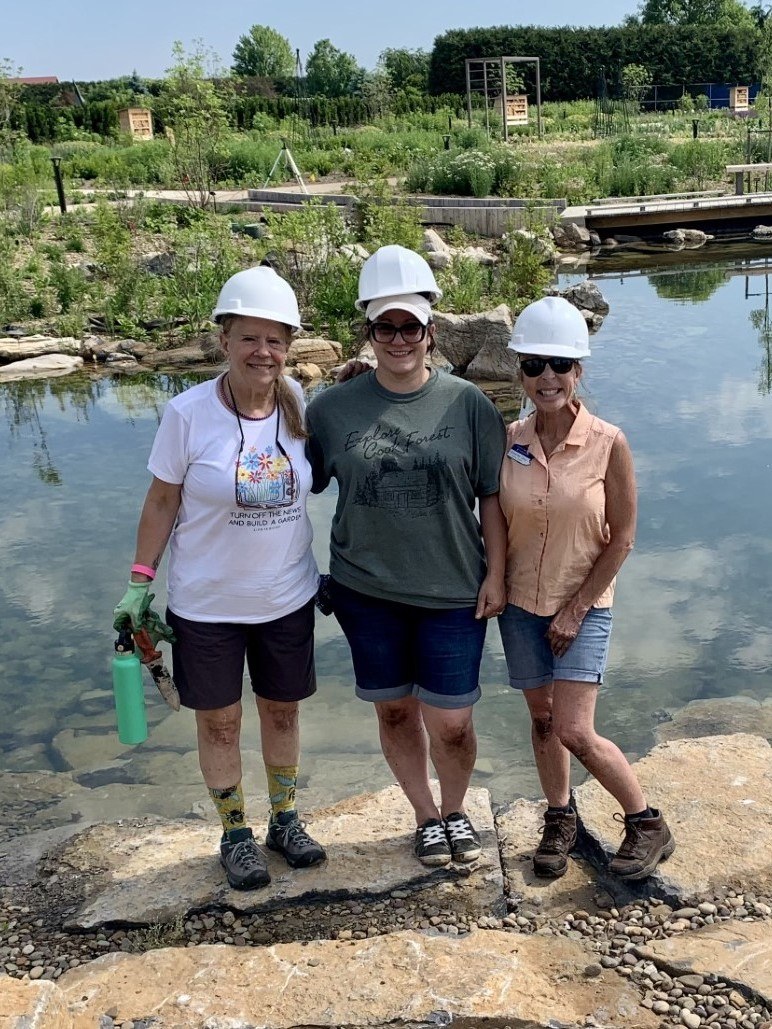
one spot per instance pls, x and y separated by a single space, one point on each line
229 490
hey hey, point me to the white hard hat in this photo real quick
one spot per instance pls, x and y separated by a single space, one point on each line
394 271
551 327
258 293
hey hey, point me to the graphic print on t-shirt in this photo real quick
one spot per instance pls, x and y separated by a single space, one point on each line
264 479
402 476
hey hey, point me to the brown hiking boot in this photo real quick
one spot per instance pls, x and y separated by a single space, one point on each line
647 842
557 840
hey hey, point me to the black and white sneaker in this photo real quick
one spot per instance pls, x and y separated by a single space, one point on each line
462 836
431 844
243 861
287 835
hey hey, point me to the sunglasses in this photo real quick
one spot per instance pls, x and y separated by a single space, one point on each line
385 332
267 481
533 366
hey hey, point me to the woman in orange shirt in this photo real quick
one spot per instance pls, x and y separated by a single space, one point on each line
569 498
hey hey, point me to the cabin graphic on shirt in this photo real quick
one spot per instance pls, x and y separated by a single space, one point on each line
394 487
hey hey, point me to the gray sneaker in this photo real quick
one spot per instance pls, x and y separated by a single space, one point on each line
287 835
243 861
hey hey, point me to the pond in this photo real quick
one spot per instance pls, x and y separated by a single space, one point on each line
683 363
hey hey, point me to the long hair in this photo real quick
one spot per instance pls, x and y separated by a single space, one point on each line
289 408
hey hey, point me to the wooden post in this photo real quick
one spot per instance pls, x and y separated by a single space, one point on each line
738 183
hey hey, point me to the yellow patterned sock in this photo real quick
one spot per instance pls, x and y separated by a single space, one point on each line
282 780
230 807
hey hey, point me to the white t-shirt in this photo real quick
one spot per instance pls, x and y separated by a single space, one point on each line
228 563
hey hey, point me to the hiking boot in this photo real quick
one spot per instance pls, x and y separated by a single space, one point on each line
243 861
647 842
462 836
431 844
287 835
558 839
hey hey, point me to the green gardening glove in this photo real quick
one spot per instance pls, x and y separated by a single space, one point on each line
132 606
156 629
134 611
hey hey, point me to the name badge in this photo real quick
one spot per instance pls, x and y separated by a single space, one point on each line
520 454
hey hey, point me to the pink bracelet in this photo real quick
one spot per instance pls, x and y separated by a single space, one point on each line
144 570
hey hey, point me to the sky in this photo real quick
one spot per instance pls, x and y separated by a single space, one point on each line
92 39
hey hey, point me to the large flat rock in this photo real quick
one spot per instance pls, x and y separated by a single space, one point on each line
47 366
716 794
721 716
404 979
143 873
519 829
36 346
32 1005
737 952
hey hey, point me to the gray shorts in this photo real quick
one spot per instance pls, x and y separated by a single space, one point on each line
209 658
530 660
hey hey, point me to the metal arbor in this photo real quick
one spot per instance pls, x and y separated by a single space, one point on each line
488 75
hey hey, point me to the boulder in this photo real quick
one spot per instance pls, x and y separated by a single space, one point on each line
594 321
406 978
47 366
586 296
160 263
736 952
479 255
307 372
688 239
718 717
569 236
543 245
325 353
493 362
144 872
761 232
460 337
32 1005
433 243
177 357
716 795
12 349
355 252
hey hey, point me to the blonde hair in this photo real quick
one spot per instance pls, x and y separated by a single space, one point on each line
286 400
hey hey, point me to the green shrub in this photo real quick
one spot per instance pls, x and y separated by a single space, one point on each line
465 285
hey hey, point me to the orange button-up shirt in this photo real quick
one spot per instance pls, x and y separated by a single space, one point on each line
556 512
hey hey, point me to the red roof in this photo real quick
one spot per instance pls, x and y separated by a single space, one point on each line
36 80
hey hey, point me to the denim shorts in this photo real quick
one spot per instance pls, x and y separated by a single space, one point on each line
399 650
530 660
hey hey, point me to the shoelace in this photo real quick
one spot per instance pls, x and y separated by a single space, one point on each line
553 835
431 834
459 829
296 832
246 854
632 834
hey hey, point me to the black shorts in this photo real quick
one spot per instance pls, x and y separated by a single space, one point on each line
209 657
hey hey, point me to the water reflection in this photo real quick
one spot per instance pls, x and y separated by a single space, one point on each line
692 612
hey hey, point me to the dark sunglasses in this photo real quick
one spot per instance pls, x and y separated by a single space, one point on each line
385 332
533 366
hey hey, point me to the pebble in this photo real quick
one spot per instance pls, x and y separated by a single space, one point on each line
690 1020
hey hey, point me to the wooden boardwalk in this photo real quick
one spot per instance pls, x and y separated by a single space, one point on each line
653 215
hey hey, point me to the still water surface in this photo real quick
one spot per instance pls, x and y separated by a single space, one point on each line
682 364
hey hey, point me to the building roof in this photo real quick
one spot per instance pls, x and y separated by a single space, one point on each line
36 80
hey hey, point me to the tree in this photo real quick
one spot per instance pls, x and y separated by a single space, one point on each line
9 100
193 109
263 52
331 72
406 69
715 13
636 80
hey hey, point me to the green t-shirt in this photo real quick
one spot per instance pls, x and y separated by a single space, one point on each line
409 468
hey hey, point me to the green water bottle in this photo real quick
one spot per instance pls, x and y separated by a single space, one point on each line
129 692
